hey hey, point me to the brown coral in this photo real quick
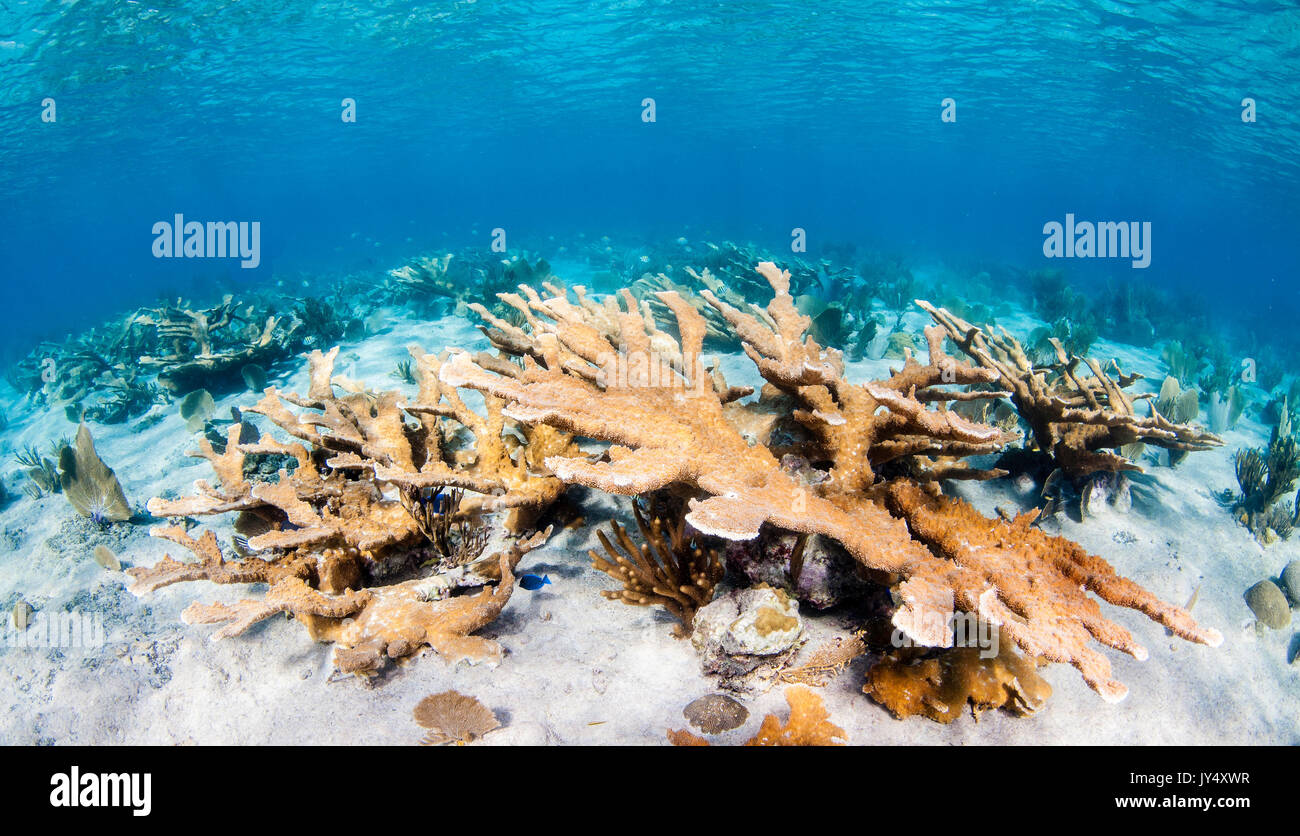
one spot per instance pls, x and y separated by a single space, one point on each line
330 523
668 569
809 724
1077 419
940 686
90 485
187 337
453 717
667 425
367 626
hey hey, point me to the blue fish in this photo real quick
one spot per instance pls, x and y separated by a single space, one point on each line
533 583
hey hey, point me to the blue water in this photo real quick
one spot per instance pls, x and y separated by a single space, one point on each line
527 116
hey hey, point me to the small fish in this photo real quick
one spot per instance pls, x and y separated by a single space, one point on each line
533 583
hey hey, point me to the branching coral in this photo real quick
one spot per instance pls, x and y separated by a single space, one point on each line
367 626
194 346
668 569
341 517
1076 419
665 420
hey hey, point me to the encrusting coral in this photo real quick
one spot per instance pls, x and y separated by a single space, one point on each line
940 686
611 374
331 529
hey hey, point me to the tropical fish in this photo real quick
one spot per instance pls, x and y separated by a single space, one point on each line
533 583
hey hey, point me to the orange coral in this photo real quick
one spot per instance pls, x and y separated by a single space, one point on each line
1077 419
332 524
939 687
668 428
809 724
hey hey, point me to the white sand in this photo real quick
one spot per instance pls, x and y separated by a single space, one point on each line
579 668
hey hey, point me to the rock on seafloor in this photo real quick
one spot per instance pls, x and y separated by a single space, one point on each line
1267 601
745 635
1291 582
715 713
826 574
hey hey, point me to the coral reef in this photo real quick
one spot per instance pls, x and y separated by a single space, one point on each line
196 348
456 278
330 527
611 374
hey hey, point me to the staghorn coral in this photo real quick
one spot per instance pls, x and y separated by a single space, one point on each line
1078 420
343 516
665 420
668 569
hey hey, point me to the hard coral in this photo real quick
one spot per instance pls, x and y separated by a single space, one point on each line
611 374
940 686
1076 419
337 523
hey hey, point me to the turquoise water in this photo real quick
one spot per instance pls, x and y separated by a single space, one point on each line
527 116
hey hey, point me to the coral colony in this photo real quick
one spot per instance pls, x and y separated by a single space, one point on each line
365 485
391 523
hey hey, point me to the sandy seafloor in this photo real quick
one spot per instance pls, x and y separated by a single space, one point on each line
580 669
